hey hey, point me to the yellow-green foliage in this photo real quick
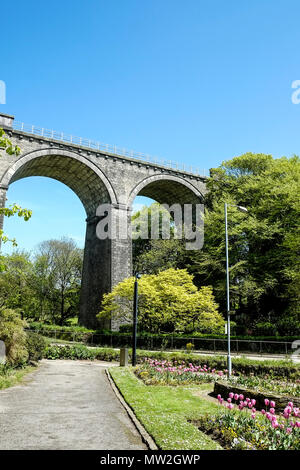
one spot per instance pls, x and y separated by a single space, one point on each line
14 337
168 301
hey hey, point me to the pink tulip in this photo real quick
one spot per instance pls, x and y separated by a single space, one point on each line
288 430
297 424
236 397
291 404
275 424
267 402
263 412
241 397
272 404
253 402
230 395
230 406
253 415
229 400
272 411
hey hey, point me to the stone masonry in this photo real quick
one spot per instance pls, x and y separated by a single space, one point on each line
96 177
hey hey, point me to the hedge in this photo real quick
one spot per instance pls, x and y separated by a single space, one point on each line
243 366
144 334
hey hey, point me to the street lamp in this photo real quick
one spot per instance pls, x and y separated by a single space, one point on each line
241 209
135 312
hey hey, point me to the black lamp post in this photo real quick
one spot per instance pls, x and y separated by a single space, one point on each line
135 312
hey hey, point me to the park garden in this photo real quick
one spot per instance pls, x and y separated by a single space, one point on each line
184 399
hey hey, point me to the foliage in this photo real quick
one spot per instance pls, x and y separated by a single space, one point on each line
15 287
263 244
81 352
45 286
265 328
158 255
6 145
36 346
64 328
168 301
58 266
13 335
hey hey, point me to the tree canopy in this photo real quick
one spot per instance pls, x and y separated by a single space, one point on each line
168 301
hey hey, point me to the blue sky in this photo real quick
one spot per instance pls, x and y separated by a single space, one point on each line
194 81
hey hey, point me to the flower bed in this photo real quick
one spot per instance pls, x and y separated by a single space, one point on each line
238 425
154 372
160 372
269 384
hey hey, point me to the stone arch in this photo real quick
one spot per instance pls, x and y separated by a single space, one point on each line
166 189
81 175
92 187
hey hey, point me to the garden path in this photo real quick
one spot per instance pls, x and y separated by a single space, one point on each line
65 405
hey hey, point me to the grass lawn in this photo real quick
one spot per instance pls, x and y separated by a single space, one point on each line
164 411
12 377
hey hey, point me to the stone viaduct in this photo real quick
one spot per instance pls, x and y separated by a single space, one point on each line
97 175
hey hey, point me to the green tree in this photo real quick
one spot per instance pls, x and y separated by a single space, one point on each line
168 301
15 283
153 255
264 244
58 266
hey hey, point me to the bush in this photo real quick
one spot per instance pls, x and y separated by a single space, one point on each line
13 335
36 346
265 329
168 301
81 352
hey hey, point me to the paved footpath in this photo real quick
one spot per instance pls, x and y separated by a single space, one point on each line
65 405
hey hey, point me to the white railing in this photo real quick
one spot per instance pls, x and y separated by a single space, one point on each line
107 148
